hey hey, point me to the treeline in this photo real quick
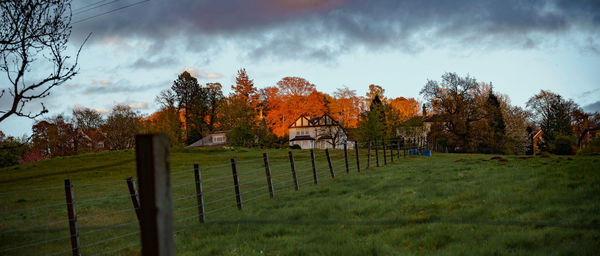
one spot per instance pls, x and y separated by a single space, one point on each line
469 116
459 114
189 111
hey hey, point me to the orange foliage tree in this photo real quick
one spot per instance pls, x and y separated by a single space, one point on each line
345 107
405 108
293 96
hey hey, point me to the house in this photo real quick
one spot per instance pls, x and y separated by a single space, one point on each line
588 135
536 141
215 139
318 132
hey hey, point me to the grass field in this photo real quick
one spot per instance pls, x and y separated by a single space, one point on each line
446 204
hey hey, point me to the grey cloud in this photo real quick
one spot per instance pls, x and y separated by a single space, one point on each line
122 86
324 29
156 63
594 107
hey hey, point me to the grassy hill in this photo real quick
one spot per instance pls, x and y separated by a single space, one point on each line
445 204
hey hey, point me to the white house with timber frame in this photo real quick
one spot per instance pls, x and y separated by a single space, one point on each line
321 132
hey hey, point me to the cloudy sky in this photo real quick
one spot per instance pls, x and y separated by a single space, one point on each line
138 48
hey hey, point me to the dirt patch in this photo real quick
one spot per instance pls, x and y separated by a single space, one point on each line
545 156
499 158
459 160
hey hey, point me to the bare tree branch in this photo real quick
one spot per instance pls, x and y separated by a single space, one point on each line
30 29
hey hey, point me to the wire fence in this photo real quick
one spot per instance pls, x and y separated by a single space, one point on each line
102 217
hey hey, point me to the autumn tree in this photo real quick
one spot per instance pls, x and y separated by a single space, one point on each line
55 136
345 107
34 35
375 91
293 97
244 89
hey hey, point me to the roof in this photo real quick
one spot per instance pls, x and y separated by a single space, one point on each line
303 137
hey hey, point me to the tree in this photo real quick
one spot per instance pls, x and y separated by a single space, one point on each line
495 121
515 133
372 122
55 136
33 33
375 91
215 99
87 119
122 124
453 101
185 91
552 113
11 150
345 107
244 88
166 121
293 97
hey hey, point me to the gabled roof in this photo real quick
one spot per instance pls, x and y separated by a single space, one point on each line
314 121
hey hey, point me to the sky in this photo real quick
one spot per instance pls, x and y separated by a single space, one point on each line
137 48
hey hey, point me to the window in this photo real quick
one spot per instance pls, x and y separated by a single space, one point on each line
218 139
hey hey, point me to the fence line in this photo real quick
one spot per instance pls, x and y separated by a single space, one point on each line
252 167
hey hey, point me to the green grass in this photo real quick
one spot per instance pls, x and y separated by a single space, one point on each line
446 204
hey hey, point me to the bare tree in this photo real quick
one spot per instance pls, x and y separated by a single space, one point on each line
33 32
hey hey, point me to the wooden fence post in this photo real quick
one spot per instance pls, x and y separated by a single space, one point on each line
391 151
398 149
72 214
293 167
384 152
199 195
369 156
377 152
152 157
357 158
134 198
268 172
330 165
236 185
314 166
346 157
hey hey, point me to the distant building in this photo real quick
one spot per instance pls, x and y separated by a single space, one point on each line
215 139
318 132
588 135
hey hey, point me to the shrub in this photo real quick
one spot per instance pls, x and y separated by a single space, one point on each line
563 145
295 146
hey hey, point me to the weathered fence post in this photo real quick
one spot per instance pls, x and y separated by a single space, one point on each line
346 157
236 185
293 167
152 157
134 198
369 156
330 165
398 149
392 151
377 152
384 152
268 172
199 195
314 166
72 214
357 158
